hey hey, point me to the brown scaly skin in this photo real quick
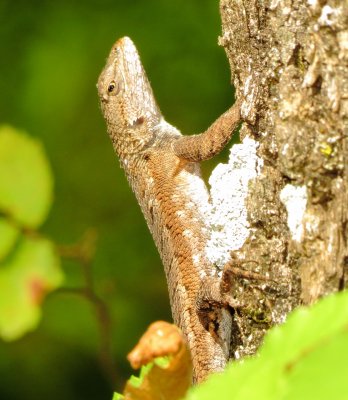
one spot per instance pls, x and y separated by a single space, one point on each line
163 170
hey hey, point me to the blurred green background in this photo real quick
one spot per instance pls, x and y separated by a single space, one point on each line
51 56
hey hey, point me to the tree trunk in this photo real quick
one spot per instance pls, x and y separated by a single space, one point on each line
289 62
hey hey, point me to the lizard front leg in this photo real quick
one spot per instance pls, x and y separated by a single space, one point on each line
206 145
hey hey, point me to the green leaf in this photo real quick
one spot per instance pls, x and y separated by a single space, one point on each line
327 363
136 381
26 181
304 358
25 278
8 237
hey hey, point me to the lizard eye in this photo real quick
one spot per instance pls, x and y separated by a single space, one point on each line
111 87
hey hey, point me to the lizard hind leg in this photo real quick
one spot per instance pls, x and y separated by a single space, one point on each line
212 309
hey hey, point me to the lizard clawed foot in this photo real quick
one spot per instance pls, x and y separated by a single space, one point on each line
233 269
245 297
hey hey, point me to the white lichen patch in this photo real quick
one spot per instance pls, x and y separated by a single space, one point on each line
294 199
229 189
312 3
328 16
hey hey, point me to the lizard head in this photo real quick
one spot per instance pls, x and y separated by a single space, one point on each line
126 97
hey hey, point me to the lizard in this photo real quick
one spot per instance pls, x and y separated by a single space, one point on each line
163 170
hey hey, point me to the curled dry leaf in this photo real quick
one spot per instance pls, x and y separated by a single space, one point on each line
170 374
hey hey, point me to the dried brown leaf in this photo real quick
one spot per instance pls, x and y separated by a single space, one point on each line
167 380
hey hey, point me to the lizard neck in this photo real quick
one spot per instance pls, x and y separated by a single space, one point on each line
130 142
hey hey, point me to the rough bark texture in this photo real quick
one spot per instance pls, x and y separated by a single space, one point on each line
289 59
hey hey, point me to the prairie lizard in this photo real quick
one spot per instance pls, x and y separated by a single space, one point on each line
162 167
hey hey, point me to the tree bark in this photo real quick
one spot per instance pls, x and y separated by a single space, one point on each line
289 61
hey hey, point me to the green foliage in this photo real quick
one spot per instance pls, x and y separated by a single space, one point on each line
25 178
8 236
136 381
25 278
29 266
306 358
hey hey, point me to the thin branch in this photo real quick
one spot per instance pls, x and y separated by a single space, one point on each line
83 253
